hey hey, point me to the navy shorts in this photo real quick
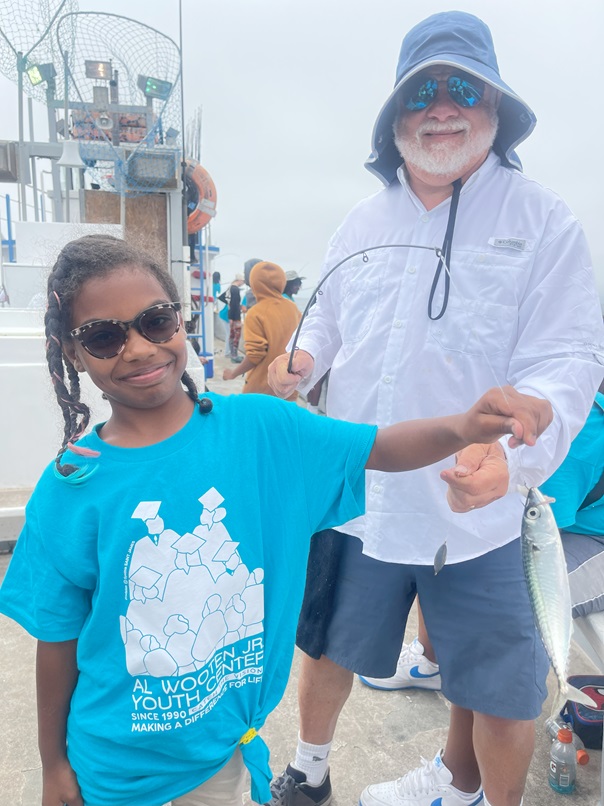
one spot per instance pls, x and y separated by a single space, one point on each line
477 613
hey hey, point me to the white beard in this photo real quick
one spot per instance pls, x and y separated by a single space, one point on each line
444 159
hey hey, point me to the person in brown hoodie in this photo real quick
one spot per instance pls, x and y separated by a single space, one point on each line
267 329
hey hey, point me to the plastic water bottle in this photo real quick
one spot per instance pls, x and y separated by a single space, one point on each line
553 725
563 763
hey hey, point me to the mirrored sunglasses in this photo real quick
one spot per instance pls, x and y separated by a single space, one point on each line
464 90
106 338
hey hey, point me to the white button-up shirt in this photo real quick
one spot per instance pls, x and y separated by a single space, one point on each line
522 309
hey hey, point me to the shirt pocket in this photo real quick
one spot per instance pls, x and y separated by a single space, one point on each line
474 327
482 314
358 306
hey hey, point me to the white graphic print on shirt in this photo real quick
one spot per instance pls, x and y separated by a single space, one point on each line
194 609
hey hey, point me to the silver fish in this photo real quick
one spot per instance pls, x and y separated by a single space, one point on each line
549 592
440 558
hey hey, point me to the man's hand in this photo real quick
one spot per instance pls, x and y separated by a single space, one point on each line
284 383
60 785
229 375
480 476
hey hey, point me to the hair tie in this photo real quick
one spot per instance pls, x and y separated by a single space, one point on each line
82 451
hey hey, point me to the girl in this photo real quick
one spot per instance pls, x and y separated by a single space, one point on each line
163 588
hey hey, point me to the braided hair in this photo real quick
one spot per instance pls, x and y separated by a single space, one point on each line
89 257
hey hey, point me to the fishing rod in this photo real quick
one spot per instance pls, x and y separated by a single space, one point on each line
436 249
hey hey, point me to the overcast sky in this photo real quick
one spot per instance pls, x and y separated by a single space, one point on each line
290 92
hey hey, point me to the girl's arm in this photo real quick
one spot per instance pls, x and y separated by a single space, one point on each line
56 676
416 443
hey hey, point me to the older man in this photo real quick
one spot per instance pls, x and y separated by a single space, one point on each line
407 333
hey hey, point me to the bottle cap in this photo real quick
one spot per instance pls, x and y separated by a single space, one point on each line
582 757
565 736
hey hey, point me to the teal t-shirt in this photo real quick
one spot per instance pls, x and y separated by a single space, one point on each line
181 575
578 475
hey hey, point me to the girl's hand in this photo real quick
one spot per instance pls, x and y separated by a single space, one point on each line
505 411
282 382
60 785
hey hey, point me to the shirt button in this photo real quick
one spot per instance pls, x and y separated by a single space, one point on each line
397 323
387 379
481 258
425 218
411 269
376 488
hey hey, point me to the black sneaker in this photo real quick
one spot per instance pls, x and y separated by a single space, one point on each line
291 789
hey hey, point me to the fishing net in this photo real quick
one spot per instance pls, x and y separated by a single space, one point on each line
27 27
124 100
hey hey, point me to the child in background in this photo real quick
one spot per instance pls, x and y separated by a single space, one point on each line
162 586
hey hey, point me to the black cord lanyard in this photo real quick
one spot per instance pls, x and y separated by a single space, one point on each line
446 252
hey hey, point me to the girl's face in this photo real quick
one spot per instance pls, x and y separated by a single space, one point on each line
144 375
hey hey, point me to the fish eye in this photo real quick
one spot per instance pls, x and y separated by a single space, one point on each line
533 513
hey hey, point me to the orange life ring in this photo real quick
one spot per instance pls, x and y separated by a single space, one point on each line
201 196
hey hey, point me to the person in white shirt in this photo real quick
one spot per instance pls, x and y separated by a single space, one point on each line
410 332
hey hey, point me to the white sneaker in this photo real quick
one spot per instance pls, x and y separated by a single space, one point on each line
428 785
413 670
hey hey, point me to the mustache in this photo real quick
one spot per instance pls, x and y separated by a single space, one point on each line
433 127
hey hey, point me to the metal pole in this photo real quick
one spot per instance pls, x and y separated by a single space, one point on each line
22 185
66 132
203 262
34 178
114 92
185 236
9 230
57 201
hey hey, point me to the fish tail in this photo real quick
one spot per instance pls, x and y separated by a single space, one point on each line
576 695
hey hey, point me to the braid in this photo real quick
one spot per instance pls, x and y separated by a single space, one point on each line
205 404
68 399
190 386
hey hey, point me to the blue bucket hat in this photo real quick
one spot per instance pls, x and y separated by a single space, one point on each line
455 39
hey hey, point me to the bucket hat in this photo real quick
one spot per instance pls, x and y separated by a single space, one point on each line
456 39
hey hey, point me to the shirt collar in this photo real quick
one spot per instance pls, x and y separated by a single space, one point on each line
492 161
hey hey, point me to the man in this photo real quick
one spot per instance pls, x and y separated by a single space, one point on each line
293 284
232 299
406 336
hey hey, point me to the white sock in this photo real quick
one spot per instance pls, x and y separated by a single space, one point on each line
312 760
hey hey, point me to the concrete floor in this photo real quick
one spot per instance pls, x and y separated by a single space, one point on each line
380 735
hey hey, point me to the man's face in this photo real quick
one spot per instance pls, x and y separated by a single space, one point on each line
445 139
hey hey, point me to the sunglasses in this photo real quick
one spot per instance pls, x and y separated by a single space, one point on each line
106 338
464 90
